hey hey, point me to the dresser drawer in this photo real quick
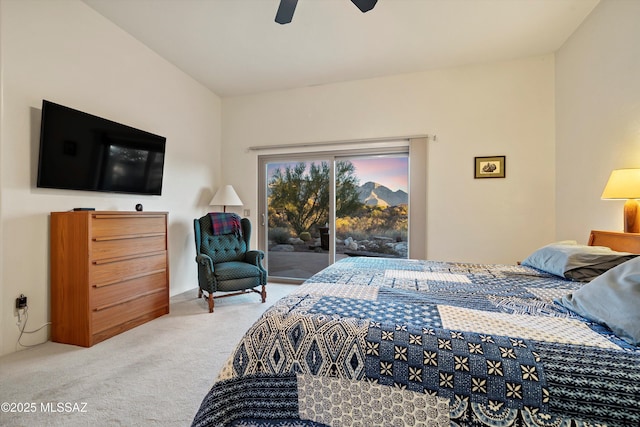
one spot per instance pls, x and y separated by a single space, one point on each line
116 293
125 225
104 318
103 273
126 247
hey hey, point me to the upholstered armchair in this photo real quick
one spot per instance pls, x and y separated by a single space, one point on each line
225 262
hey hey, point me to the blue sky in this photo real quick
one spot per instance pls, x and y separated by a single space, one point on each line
390 171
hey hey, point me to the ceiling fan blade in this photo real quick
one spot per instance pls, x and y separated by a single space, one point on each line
364 5
285 11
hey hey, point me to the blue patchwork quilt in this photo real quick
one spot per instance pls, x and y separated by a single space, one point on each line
389 342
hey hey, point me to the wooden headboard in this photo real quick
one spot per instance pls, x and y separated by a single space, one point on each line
622 242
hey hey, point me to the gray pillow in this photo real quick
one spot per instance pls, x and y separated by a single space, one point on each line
576 262
612 299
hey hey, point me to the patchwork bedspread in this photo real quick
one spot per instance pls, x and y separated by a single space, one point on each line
388 342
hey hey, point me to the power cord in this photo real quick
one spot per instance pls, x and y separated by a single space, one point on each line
22 327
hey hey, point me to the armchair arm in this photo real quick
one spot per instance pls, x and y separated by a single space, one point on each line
254 257
206 279
205 261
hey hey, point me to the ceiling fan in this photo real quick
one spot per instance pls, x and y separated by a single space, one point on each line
287 7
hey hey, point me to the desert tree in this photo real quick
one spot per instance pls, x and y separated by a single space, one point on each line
299 194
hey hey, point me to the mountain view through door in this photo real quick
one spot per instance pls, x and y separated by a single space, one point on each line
378 224
368 216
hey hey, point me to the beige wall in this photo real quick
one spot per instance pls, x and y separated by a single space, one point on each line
598 116
66 52
497 109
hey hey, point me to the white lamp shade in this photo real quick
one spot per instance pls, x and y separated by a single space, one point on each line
623 184
226 196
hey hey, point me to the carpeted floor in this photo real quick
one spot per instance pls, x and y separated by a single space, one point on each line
154 375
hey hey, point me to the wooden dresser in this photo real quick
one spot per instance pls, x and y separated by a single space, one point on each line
109 273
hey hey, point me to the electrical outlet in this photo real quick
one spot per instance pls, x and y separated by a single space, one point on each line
246 212
21 302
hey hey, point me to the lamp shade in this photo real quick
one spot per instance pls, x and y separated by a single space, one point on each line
623 184
226 196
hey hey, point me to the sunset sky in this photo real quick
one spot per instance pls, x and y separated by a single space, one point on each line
390 171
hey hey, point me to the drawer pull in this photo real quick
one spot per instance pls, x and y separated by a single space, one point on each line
127 236
125 258
132 298
128 278
103 216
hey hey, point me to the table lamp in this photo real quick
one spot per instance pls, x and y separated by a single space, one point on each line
226 196
625 184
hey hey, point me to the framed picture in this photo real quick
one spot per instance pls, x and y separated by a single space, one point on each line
490 167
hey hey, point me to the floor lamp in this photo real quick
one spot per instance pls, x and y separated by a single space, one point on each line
226 196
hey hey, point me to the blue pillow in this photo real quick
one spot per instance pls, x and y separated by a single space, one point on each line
612 299
575 262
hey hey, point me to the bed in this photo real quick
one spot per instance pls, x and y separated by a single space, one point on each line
395 342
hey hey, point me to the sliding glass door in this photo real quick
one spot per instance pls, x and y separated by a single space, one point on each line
297 217
372 200
320 208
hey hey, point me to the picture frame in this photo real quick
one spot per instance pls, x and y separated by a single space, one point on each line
490 167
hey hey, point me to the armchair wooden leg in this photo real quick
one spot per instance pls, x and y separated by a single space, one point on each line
210 303
263 294
209 299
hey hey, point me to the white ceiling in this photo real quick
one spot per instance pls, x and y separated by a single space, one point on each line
234 47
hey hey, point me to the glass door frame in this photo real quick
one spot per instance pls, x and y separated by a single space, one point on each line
331 157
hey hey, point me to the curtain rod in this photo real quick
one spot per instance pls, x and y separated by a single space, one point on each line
329 143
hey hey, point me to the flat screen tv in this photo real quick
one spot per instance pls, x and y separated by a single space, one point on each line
80 151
